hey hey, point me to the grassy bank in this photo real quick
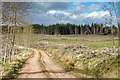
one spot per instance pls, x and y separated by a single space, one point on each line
84 62
84 58
102 68
10 69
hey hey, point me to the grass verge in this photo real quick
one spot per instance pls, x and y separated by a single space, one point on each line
10 69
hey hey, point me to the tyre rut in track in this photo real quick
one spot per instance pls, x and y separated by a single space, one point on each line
40 65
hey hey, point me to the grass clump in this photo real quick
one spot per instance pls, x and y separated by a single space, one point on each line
10 69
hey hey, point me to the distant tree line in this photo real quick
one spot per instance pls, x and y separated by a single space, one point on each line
68 29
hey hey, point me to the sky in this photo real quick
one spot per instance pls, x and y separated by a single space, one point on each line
69 12
77 12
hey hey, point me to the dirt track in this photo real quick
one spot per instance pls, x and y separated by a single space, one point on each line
53 69
33 69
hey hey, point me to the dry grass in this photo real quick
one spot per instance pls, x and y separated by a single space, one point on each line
82 54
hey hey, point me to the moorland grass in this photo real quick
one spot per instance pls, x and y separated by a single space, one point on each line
90 44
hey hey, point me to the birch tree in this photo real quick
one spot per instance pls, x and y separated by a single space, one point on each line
116 9
13 15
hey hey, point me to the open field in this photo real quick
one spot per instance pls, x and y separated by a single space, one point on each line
78 37
90 44
83 56
91 41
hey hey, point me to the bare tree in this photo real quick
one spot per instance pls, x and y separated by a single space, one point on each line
0 32
12 16
116 9
109 20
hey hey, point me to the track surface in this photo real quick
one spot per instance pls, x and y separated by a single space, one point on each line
33 69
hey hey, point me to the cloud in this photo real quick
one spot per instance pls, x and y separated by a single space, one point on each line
76 13
44 19
93 17
99 14
75 8
53 12
81 8
45 6
61 14
94 6
94 14
58 16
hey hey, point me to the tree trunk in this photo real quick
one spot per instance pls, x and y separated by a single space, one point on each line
81 31
94 31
